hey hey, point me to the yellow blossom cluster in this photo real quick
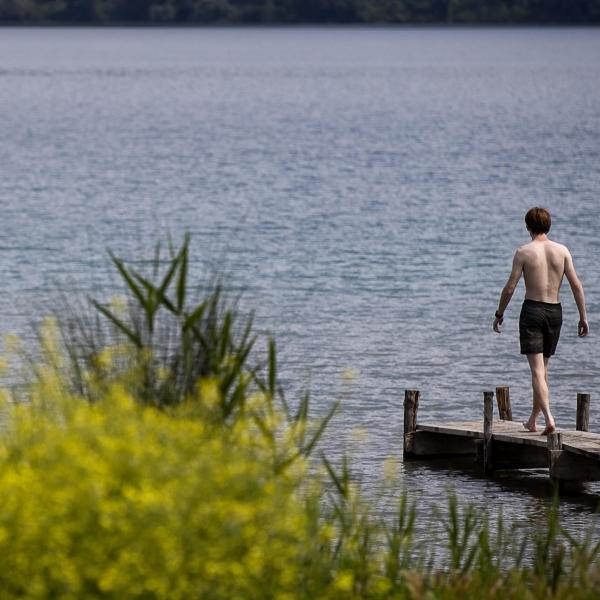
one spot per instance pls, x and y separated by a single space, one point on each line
119 501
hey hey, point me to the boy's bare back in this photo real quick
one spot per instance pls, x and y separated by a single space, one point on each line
544 263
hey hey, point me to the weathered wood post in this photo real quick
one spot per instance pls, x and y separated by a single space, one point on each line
583 412
503 400
488 419
554 441
411 407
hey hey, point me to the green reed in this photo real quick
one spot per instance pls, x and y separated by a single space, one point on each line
172 350
162 340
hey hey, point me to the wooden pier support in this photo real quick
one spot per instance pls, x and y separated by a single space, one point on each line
488 419
572 457
411 407
503 400
426 444
570 465
583 412
554 441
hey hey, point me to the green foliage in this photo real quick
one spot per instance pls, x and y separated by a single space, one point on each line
301 11
166 341
116 500
549 551
166 350
129 471
461 532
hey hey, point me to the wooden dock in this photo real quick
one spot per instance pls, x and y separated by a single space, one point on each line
569 456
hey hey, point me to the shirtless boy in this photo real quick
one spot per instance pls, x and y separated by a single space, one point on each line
543 264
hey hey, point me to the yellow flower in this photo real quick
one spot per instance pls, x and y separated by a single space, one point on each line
390 471
344 581
350 374
118 304
12 343
210 392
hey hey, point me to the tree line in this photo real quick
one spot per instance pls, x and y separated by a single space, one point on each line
300 11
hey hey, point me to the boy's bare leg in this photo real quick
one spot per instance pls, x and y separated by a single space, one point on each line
541 396
530 424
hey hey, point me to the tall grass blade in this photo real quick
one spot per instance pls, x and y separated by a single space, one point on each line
131 335
135 290
183 272
195 316
341 482
156 261
154 293
306 450
272 368
166 282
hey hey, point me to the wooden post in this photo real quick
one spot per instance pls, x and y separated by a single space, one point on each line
554 441
411 407
488 418
583 412
504 407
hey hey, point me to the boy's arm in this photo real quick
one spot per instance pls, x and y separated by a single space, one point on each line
577 289
509 289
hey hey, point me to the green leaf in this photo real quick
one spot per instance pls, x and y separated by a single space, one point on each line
302 412
183 268
321 429
339 481
153 291
272 367
190 320
119 324
165 284
237 368
135 290
200 338
225 335
268 434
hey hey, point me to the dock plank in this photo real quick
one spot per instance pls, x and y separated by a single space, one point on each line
498 445
577 442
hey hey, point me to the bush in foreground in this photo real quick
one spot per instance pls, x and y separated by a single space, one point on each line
117 500
135 469
113 500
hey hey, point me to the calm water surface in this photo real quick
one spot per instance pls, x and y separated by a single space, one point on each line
365 187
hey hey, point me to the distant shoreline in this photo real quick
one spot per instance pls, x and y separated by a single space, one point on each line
298 13
286 25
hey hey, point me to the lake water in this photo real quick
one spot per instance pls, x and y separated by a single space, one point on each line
366 187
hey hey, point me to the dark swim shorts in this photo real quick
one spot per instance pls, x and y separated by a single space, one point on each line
539 327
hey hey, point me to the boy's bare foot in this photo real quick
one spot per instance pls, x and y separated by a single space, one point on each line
549 429
529 427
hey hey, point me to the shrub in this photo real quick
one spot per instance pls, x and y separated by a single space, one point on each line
114 500
118 500
129 470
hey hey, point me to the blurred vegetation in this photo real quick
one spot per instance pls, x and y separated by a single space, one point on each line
301 11
126 472
172 337
121 500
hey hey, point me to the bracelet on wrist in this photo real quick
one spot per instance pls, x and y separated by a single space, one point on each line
498 315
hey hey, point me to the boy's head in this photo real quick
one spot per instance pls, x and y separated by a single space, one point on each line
538 220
